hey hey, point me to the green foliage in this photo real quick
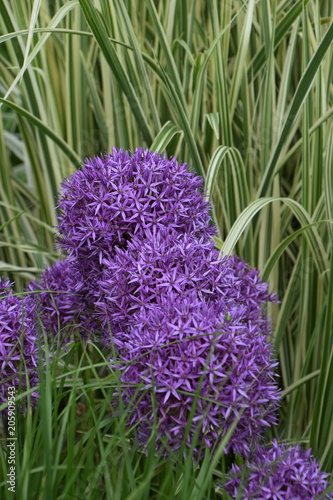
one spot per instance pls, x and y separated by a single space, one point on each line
243 92
75 444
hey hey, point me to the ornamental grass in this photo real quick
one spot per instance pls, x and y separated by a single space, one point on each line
188 331
166 305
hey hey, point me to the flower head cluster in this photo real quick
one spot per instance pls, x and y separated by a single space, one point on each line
188 327
62 306
190 330
278 473
186 323
175 266
137 232
119 195
18 343
187 352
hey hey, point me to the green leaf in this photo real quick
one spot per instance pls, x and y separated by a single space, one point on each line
238 177
111 56
168 131
315 244
282 30
71 155
218 242
33 21
58 17
283 245
299 383
143 75
214 121
17 216
29 216
185 126
171 67
240 58
199 86
301 93
321 428
95 99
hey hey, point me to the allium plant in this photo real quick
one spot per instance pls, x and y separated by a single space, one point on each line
138 232
185 322
119 195
62 302
18 343
168 264
278 473
182 349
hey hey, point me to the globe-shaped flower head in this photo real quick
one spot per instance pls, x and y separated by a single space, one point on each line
62 303
278 473
190 329
186 325
119 195
18 343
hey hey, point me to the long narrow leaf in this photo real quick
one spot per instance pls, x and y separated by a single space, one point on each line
72 156
301 93
116 66
168 131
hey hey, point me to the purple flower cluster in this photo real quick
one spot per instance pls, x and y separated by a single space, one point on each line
62 306
190 330
188 348
168 264
278 473
137 231
117 196
18 343
185 321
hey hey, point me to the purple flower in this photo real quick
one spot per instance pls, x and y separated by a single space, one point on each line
63 302
18 343
141 262
278 473
123 194
179 349
186 323
168 264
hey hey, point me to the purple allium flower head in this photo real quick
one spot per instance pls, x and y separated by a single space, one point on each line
18 343
118 195
184 321
168 264
138 232
278 473
180 349
62 302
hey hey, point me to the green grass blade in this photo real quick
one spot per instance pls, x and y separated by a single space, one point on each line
167 132
143 75
171 68
33 21
301 93
282 30
101 36
319 254
71 155
214 121
59 16
282 247
185 127
240 59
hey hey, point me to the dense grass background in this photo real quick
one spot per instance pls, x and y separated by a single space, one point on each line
242 91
